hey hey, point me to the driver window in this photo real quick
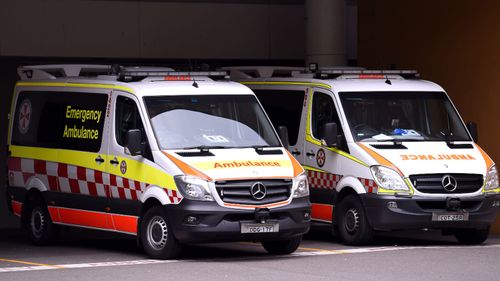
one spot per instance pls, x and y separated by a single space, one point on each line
324 111
127 118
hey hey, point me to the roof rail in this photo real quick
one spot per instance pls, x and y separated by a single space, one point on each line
126 75
53 71
334 73
245 72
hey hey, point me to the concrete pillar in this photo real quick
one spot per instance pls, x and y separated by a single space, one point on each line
326 32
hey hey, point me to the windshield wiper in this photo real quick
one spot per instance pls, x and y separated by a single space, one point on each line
259 149
205 148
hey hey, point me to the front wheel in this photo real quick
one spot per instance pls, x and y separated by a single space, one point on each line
157 237
472 236
352 223
282 247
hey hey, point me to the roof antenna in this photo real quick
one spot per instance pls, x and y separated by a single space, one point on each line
391 67
194 80
387 81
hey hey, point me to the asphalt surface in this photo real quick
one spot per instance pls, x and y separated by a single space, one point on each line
89 255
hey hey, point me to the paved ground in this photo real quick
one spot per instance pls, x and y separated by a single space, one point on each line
87 255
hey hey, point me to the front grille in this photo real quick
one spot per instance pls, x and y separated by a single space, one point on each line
432 183
238 191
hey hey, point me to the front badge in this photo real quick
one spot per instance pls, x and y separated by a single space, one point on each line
320 157
123 167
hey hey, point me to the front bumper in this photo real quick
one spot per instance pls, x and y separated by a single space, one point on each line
416 212
217 224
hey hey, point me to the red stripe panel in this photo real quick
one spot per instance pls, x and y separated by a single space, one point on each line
54 214
62 170
322 212
75 187
133 193
40 167
92 188
81 173
83 218
121 193
137 185
52 183
14 164
98 176
125 223
125 183
17 208
112 180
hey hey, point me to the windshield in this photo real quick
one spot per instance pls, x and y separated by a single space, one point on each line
217 121
405 116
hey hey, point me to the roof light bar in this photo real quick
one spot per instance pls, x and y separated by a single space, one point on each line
129 76
366 74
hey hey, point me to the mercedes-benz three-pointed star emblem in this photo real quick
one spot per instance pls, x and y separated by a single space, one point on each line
449 183
258 191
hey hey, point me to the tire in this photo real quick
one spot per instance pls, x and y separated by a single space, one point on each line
352 224
472 236
39 225
157 237
282 247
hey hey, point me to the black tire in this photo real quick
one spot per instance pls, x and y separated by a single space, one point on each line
352 224
472 236
282 247
157 237
39 225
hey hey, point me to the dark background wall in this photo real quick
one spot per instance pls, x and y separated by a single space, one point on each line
453 43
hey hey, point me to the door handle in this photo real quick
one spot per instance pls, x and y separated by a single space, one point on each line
114 161
311 154
99 160
295 152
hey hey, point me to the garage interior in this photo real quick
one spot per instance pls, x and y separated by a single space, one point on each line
448 42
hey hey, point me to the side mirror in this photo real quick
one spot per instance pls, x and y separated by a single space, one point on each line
283 133
472 127
330 134
133 142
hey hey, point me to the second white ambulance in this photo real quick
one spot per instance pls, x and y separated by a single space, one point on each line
383 150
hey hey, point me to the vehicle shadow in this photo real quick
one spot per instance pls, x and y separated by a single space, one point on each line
384 239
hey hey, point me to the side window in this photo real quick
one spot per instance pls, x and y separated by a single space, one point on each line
284 108
65 120
324 111
127 118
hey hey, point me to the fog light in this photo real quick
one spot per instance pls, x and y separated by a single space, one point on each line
392 205
496 204
307 215
192 220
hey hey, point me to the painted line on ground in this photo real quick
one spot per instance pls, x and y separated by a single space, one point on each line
29 263
85 265
308 253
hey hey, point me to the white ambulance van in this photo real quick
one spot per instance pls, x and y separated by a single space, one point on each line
383 151
169 157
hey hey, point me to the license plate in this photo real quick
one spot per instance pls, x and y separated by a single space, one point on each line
259 227
450 216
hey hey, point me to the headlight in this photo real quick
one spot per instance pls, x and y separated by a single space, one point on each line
491 179
300 186
388 179
194 188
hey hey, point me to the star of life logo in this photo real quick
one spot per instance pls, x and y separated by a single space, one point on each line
24 116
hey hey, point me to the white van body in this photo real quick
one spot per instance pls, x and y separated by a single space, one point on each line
401 157
166 156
